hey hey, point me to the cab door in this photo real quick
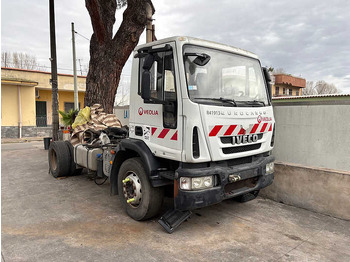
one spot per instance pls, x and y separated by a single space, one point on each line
157 116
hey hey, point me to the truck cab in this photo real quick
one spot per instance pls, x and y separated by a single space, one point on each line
206 108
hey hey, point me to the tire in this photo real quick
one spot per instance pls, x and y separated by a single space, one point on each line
73 167
152 198
59 159
248 196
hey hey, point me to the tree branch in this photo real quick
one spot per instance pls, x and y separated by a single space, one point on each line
102 18
132 26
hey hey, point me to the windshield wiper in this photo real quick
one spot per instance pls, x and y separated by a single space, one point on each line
221 99
254 102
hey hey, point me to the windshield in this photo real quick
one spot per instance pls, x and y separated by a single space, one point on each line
226 79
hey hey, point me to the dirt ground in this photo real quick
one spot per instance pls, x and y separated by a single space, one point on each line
73 219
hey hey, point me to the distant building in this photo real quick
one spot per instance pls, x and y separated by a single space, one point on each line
26 101
287 85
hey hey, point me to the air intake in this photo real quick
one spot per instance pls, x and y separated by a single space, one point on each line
195 143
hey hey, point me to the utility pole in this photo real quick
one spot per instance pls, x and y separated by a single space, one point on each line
76 101
149 23
81 70
53 59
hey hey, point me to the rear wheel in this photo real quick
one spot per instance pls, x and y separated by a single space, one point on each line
139 198
59 159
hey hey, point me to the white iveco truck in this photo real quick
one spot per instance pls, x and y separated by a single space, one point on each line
201 130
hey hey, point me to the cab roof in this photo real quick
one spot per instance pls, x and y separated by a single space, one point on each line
182 40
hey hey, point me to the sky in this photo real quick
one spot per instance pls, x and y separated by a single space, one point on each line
307 38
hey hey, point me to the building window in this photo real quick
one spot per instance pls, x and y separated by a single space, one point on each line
297 93
68 106
277 90
290 92
284 91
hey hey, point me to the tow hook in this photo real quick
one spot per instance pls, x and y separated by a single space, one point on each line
234 178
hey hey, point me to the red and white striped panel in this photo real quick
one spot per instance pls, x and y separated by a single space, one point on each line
236 130
164 133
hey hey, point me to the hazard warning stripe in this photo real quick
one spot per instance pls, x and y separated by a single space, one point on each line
270 129
255 127
164 133
234 130
263 128
215 130
229 130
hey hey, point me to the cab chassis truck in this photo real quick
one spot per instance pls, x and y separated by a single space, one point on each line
201 130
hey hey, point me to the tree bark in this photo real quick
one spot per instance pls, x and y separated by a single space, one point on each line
108 53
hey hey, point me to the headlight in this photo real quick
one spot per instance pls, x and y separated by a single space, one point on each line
185 183
196 183
270 168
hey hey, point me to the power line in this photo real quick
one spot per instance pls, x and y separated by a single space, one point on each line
82 35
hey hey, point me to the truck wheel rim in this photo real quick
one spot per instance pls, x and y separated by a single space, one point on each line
53 160
132 189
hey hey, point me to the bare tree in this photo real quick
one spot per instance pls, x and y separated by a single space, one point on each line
108 53
5 57
276 71
320 88
309 89
19 60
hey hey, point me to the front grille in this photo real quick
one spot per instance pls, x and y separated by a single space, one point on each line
229 139
239 149
240 161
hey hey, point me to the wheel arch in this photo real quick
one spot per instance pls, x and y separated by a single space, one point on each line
129 148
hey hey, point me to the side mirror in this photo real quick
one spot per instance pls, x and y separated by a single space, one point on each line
146 77
268 80
146 85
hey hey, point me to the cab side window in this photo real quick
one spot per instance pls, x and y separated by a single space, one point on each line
162 86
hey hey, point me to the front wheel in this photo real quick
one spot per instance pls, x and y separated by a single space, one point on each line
139 198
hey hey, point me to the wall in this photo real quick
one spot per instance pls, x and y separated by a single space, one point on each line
63 96
29 81
320 190
312 153
65 82
9 105
313 133
287 87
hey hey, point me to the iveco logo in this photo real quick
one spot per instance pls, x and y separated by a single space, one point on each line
245 139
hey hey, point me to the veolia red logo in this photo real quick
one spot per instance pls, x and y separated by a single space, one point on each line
140 111
147 112
259 119
265 119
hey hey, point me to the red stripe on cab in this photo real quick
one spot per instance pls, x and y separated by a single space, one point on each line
230 130
174 137
241 132
263 127
215 130
164 132
255 127
153 130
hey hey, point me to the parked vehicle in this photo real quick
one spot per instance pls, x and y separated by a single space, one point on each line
201 129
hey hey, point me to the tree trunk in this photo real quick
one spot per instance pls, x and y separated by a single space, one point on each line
109 54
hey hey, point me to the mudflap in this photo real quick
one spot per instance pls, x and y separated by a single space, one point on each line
173 218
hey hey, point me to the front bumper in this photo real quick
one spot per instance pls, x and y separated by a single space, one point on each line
253 177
